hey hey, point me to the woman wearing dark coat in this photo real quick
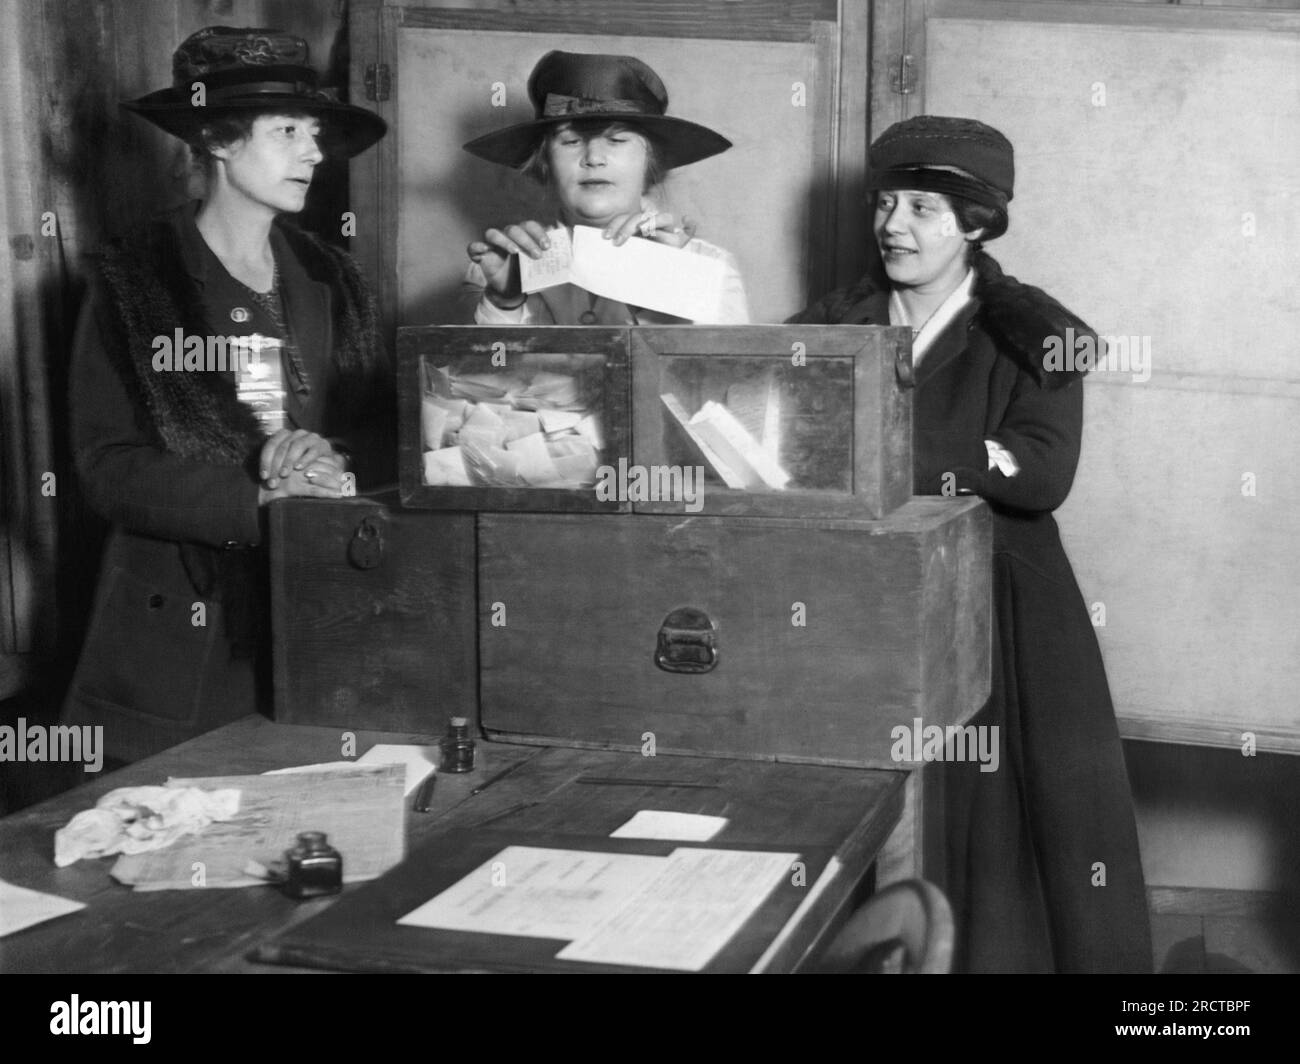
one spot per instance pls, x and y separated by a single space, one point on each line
1042 855
181 438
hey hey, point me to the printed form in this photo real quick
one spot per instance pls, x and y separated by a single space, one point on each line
673 912
538 893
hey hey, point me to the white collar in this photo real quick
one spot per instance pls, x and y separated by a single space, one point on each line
929 331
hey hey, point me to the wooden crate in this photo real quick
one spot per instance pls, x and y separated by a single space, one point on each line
828 634
389 647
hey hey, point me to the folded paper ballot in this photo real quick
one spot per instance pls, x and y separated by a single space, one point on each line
641 273
713 461
732 442
516 429
727 447
139 819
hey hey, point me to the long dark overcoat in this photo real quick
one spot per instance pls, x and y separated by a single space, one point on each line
1042 855
179 639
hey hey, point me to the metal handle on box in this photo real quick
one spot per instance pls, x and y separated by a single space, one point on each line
903 366
688 642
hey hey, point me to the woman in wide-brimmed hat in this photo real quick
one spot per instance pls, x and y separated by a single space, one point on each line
601 142
1042 854
224 360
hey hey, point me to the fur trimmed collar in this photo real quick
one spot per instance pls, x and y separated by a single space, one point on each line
1021 319
148 293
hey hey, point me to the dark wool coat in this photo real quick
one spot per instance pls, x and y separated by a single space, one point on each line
178 642
1027 845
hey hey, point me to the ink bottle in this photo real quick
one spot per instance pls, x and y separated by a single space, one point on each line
315 868
457 747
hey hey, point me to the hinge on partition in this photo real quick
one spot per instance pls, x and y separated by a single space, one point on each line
902 78
379 82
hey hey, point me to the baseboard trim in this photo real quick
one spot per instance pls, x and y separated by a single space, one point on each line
1205 901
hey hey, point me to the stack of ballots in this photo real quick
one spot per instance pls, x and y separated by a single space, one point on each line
511 429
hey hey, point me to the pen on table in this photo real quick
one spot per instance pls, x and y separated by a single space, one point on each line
493 779
424 795
519 807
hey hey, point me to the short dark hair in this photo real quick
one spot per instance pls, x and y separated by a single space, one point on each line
971 216
220 132
538 164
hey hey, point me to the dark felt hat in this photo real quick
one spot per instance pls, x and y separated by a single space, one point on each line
955 156
569 86
245 69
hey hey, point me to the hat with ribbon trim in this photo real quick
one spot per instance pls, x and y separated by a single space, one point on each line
572 86
225 70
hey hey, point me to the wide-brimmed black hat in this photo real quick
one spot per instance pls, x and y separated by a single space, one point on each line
569 86
244 69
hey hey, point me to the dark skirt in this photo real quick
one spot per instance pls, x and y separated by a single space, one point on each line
1042 855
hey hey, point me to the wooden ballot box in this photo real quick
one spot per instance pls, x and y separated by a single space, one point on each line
373 615
760 583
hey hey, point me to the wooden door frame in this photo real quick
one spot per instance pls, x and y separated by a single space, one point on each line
837 29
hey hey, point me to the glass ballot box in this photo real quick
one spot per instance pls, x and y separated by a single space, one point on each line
783 421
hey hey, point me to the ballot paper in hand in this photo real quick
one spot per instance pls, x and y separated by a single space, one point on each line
641 273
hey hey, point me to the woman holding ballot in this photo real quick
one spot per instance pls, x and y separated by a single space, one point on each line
601 144
1042 860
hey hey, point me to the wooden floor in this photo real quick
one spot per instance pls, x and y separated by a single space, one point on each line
1224 931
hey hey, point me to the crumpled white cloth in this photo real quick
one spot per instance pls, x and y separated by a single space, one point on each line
137 819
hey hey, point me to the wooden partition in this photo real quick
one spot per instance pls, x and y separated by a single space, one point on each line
784 82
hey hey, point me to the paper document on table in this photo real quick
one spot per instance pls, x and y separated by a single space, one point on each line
418 761
696 903
538 893
21 907
662 824
829 874
641 273
362 812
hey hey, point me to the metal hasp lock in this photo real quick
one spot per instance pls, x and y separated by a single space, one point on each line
903 368
688 642
366 548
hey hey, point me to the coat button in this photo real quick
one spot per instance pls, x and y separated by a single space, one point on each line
239 315
156 602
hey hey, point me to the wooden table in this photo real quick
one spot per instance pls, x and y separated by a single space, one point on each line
768 805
